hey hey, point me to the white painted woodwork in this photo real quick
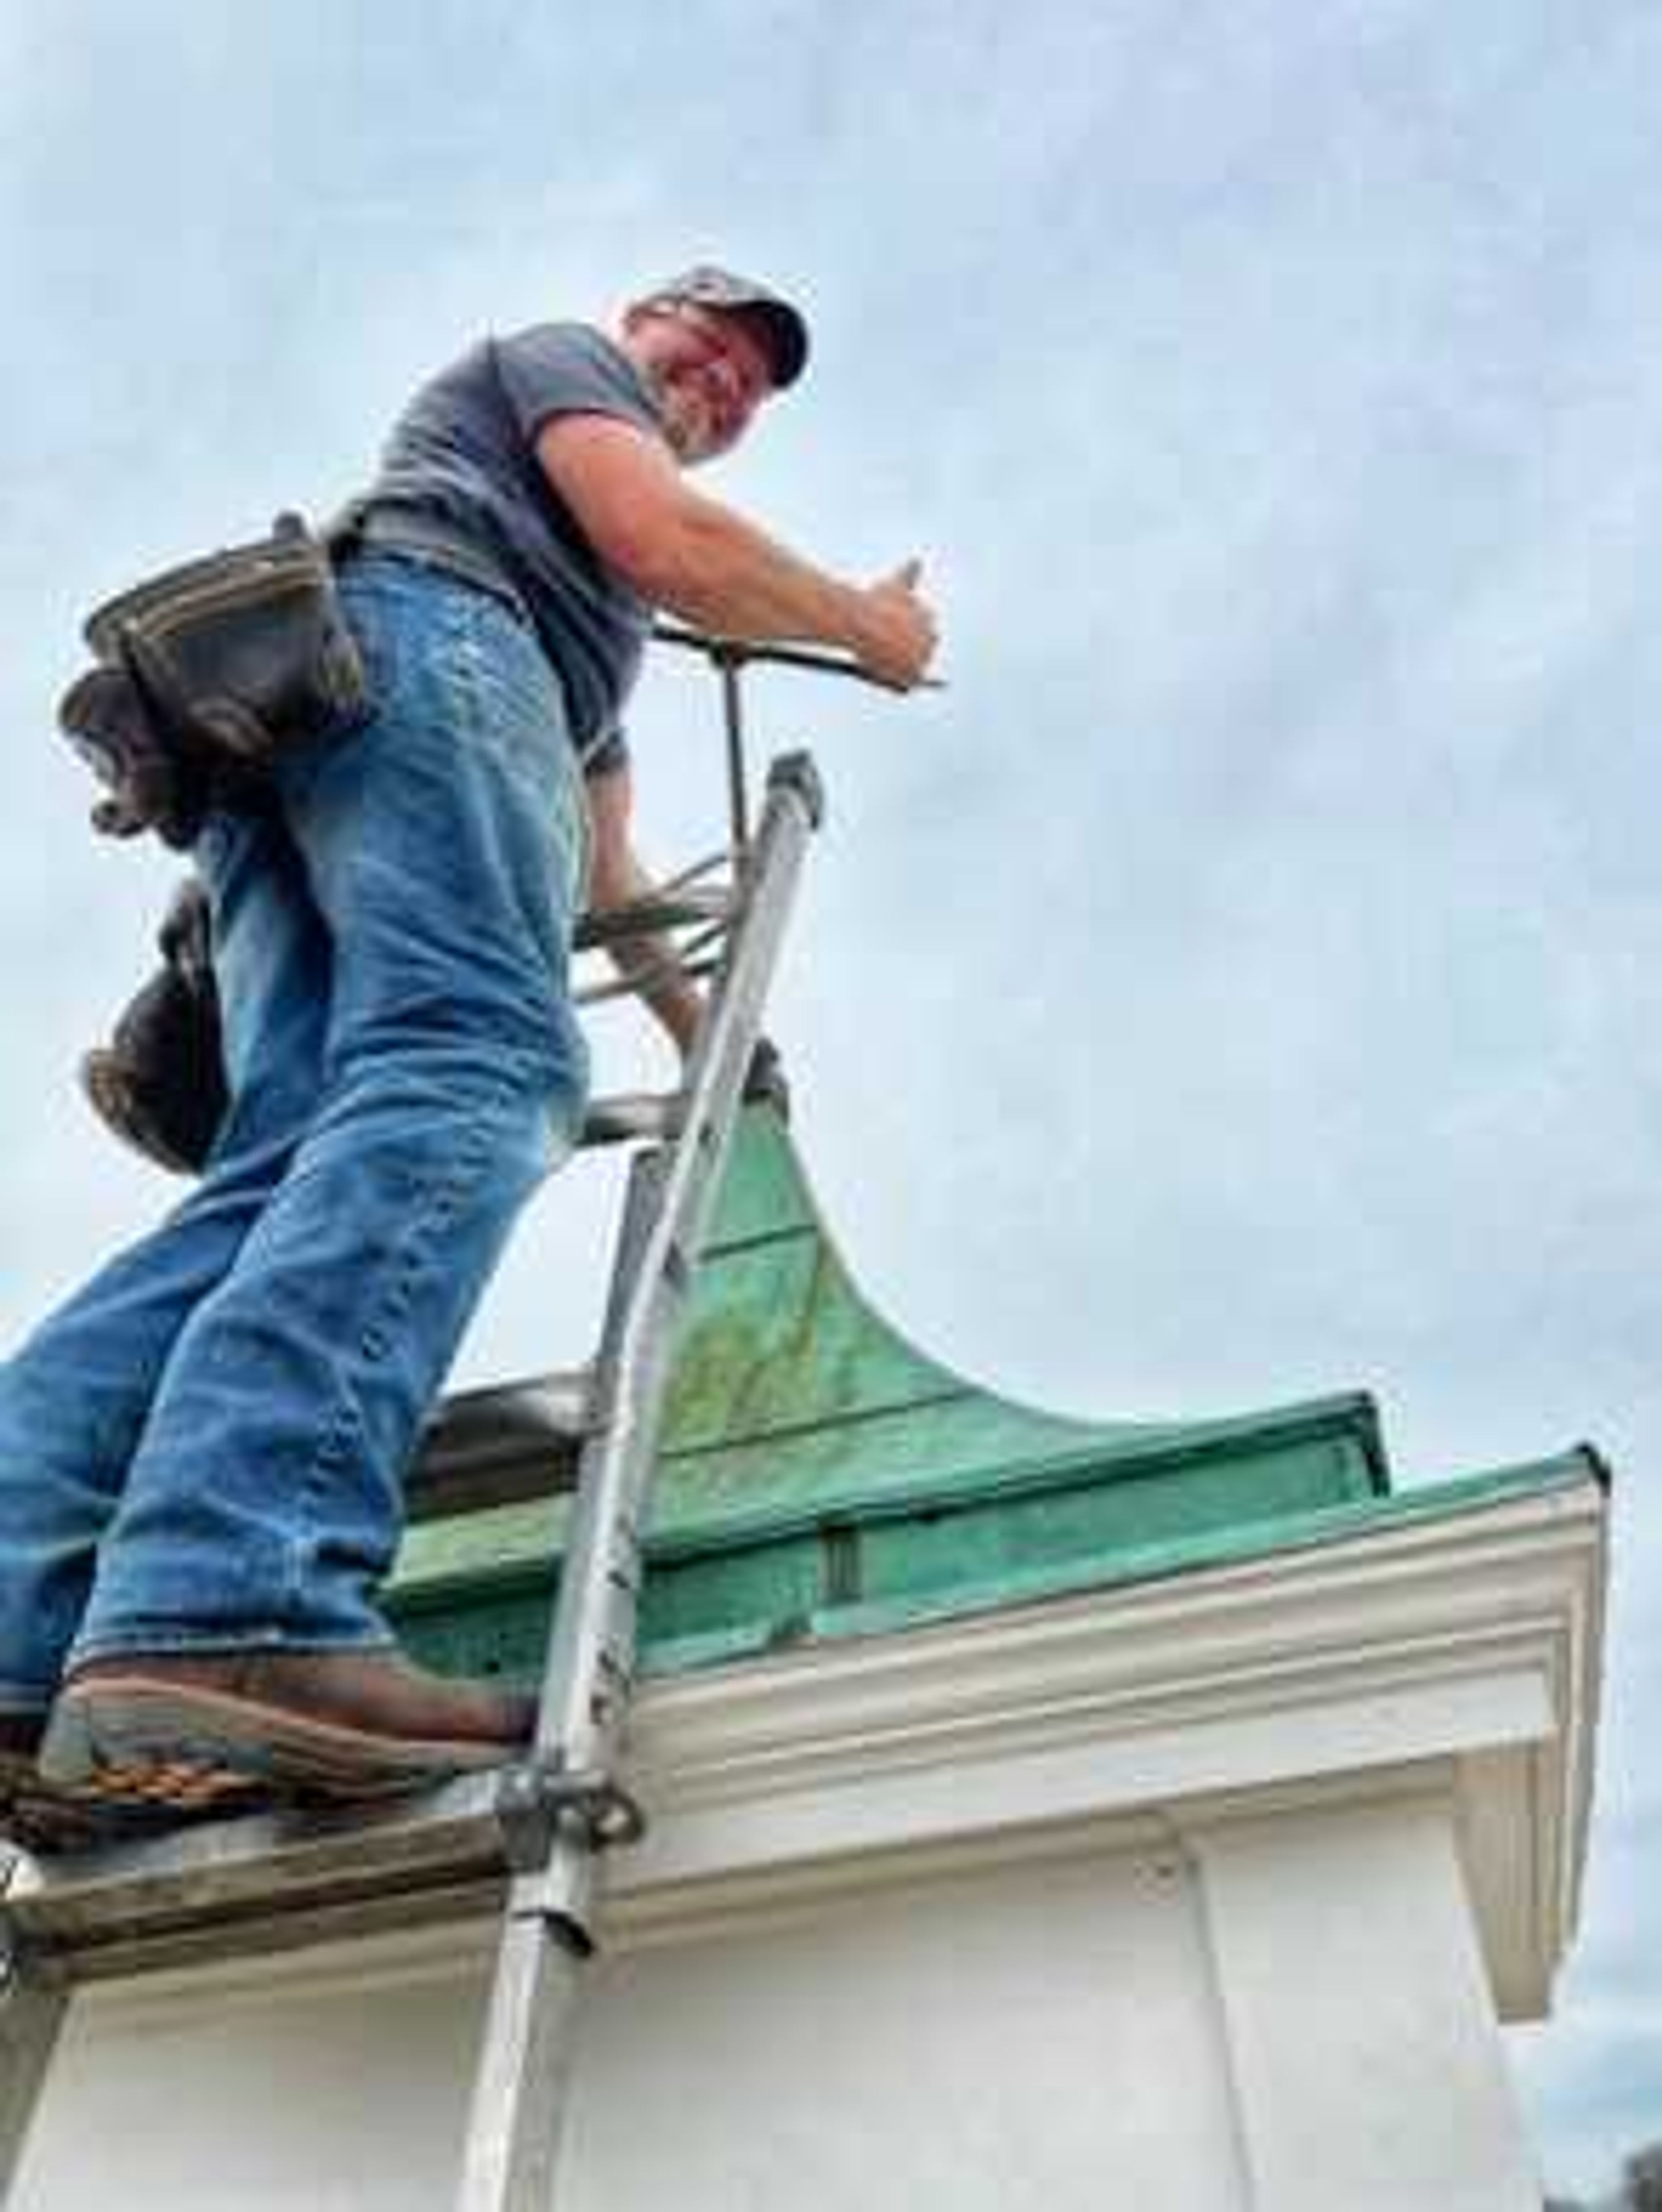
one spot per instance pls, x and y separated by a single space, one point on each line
1367 2070
1202 1895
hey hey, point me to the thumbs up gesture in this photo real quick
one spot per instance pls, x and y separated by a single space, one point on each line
898 631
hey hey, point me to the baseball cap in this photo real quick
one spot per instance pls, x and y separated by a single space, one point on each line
786 327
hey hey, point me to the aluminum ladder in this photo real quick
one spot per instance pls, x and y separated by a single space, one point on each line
527 1838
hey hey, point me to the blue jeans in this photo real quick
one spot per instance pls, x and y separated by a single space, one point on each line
203 1451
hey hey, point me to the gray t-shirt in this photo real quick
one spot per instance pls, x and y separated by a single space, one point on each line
466 448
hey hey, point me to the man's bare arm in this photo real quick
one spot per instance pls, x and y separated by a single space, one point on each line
711 566
617 879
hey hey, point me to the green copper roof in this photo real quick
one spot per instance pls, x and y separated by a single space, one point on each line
820 1476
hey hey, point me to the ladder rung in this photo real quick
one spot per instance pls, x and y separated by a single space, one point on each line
632 1115
688 969
651 917
502 1446
269 1881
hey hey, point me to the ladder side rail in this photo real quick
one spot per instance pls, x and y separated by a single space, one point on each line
592 1633
528 2042
520 2092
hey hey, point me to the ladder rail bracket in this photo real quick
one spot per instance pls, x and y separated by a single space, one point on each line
540 1799
797 772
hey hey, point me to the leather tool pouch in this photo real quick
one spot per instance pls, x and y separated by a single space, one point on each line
160 1082
207 675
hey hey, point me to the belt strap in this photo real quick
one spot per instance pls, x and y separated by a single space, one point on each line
422 534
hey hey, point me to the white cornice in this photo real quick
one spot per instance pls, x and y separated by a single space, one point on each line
1456 1656
1465 1646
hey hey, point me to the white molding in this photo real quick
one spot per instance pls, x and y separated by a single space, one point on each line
1472 1638
1454 1658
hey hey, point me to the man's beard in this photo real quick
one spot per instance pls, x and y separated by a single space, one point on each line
687 421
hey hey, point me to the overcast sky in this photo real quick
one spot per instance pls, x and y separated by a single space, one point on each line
1243 982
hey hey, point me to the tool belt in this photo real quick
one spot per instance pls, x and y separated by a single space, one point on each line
206 676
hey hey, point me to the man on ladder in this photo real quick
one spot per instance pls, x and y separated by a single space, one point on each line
201 1452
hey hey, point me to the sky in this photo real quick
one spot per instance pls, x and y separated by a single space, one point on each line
1241 983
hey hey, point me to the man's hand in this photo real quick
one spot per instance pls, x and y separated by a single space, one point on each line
899 635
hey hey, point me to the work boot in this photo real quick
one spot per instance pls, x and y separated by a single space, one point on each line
238 1730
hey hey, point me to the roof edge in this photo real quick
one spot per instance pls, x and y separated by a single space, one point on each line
1119 1567
1167 1449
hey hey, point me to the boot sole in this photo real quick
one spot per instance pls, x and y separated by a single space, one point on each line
196 1750
45 1818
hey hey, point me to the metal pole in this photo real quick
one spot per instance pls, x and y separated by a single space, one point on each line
733 718
780 656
